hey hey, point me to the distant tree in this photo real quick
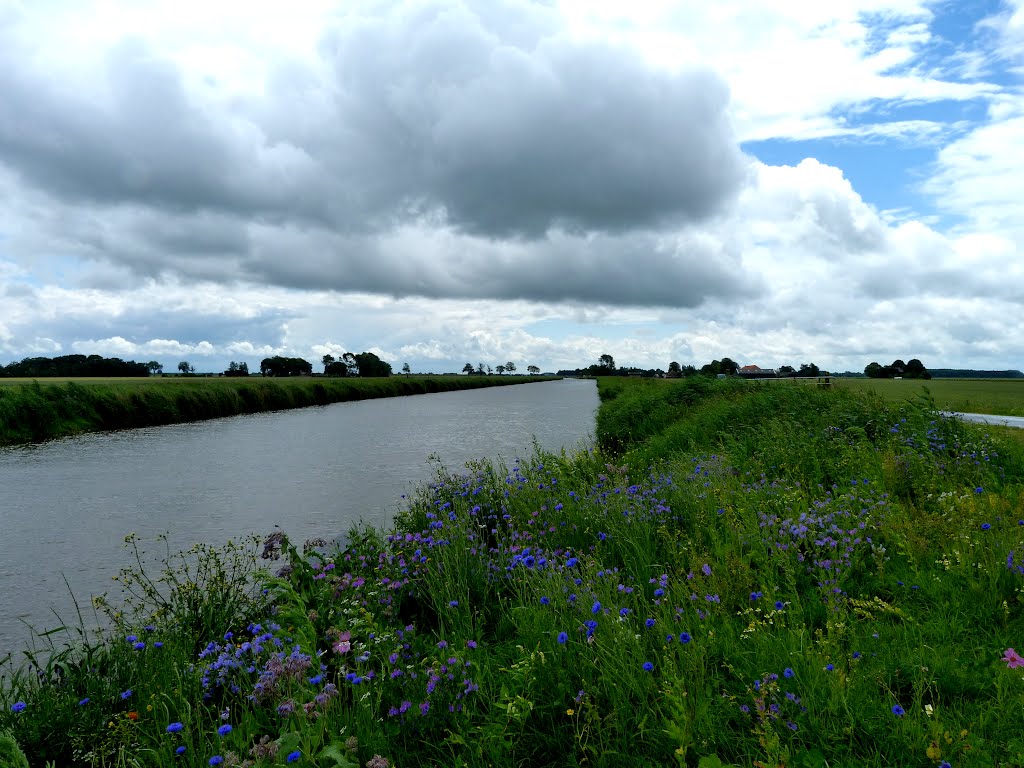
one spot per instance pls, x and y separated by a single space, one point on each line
899 366
327 360
243 369
787 370
606 362
371 365
490 371
501 369
728 366
185 368
916 370
674 370
809 369
237 369
351 363
689 370
873 370
285 366
155 367
510 367
468 369
480 370
406 369
712 369
337 368
533 370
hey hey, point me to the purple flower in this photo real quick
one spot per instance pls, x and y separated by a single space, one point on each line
442 644
471 643
424 707
453 604
788 672
706 569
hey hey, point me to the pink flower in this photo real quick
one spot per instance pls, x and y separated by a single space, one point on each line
343 645
1013 659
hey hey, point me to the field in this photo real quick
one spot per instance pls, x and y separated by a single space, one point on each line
32 410
1001 397
734 575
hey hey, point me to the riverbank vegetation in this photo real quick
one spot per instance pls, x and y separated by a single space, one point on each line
734 575
33 410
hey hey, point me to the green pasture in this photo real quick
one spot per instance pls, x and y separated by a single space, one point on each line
999 397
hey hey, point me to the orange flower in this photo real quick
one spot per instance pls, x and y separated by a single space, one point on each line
133 715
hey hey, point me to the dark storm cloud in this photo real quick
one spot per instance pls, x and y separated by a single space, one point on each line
449 153
510 140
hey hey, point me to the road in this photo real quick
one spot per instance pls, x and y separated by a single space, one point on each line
984 418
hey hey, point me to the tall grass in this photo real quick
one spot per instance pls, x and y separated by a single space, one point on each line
736 576
33 411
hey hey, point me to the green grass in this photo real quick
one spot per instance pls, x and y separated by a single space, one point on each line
773 576
1000 397
48 408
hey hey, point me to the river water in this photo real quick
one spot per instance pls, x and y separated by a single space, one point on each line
67 505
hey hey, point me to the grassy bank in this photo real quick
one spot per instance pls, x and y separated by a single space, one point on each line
40 410
754 576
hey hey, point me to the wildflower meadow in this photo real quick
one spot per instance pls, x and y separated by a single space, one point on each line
732 575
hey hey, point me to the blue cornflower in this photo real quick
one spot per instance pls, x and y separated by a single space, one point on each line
131 638
624 611
139 646
216 760
756 595
596 607
649 623
706 569
562 637
126 694
175 727
83 702
898 710
979 489
544 600
829 667
224 730
180 750
779 605
684 637
659 592
453 604
856 654
985 526
158 644
294 756
648 666
788 672
18 706
316 679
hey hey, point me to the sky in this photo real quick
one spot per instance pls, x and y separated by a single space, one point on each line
441 182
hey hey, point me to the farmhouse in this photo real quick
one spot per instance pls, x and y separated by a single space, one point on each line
755 372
